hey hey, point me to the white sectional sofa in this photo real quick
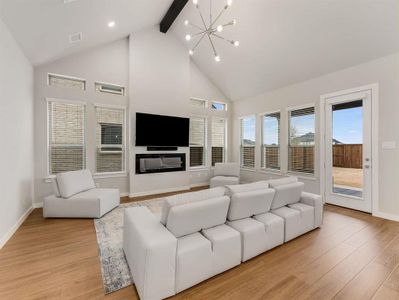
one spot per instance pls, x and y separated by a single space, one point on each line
76 196
201 234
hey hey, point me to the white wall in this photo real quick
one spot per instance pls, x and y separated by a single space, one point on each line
16 121
107 63
385 72
162 80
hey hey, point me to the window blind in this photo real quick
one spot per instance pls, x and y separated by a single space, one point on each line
271 141
66 82
247 147
66 137
301 140
198 102
110 152
218 140
197 142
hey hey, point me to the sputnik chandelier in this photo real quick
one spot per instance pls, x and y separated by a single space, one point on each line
210 31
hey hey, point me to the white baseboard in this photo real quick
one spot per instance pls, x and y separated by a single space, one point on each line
124 194
387 216
13 229
37 204
162 191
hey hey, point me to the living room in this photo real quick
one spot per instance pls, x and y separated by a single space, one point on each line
186 149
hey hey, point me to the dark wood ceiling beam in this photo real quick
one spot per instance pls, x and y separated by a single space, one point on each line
174 10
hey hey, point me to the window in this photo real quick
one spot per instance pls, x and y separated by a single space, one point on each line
219 106
66 136
197 142
66 82
110 126
109 88
271 141
218 140
198 102
247 147
301 140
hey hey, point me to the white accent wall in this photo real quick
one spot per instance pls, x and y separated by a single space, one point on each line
16 121
162 80
385 72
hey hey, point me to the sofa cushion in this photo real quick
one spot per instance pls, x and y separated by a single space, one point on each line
71 183
287 194
189 198
227 169
247 187
282 181
195 216
250 203
223 181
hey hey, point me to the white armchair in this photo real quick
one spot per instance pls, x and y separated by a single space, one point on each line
225 174
76 196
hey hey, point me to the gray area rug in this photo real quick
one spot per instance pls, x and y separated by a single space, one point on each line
109 230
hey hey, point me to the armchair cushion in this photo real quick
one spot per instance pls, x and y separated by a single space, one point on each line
227 169
71 183
223 181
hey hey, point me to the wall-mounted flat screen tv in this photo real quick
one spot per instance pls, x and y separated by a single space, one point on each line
158 130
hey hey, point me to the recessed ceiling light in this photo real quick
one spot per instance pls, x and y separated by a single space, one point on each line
111 24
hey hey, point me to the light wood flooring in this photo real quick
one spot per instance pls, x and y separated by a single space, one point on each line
353 256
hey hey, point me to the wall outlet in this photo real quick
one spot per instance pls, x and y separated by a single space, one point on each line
388 145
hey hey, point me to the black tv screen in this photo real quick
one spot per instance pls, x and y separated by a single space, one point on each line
157 130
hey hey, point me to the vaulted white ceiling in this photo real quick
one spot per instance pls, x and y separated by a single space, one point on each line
42 27
288 41
281 41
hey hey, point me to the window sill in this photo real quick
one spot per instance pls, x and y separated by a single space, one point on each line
271 171
200 168
110 175
302 176
248 169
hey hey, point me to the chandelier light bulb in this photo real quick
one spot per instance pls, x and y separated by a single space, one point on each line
229 2
234 22
188 37
195 2
217 58
236 43
191 52
186 22
219 28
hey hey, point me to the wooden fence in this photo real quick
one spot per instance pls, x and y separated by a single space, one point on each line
348 156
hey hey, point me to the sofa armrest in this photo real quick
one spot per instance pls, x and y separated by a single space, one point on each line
150 250
317 202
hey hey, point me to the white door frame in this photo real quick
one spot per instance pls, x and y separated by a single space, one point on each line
374 140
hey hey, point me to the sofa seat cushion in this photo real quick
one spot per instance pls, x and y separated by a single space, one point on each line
226 247
247 187
93 203
250 203
253 237
223 181
287 194
193 261
189 198
297 221
274 227
193 217
71 183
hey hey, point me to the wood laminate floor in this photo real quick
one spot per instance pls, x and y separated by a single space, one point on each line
353 256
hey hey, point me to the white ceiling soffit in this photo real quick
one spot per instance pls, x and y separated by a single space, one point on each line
42 27
287 41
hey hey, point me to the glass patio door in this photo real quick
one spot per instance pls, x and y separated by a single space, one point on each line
348 151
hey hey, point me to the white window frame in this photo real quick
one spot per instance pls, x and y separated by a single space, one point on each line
68 78
110 92
206 155
124 144
219 102
48 100
206 102
261 116
225 158
288 111
240 142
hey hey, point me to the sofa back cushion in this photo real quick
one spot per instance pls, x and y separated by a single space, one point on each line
193 217
247 187
249 203
287 194
189 198
227 169
74 182
282 181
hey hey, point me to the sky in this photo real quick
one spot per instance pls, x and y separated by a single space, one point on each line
347 126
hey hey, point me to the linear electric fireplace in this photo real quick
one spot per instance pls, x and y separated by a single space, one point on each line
160 163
